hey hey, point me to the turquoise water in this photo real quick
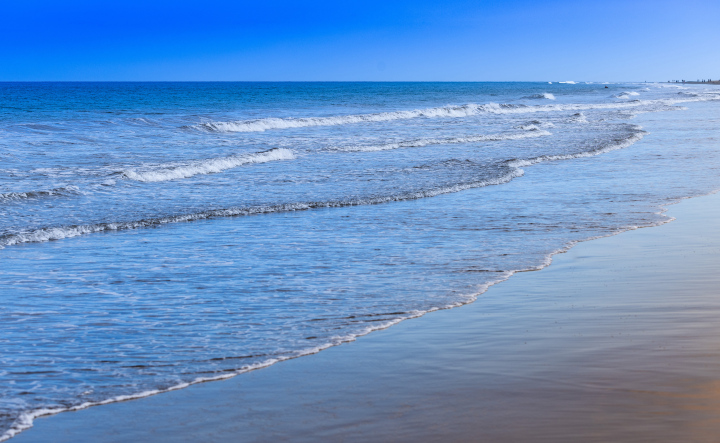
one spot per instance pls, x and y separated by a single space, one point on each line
159 234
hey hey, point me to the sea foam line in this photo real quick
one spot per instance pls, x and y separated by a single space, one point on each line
209 166
59 233
14 196
26 418
618 144
265 124
467 110
531 132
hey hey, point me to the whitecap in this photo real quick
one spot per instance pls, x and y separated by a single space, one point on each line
166 172
533 131
265 124
544 95
66 190
627 94
445 111
613 146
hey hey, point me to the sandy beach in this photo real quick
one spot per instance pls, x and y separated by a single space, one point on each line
615 341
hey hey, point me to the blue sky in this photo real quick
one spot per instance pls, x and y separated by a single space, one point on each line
273 40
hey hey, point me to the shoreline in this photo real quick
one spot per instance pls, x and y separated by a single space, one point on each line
178 409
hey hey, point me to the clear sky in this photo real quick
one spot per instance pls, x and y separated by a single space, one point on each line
450 40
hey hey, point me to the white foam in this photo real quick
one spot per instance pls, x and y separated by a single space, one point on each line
536 124
532 132
284 123
578 118
569 82
39 194
265 124
209 166
445 111
544 95
627 94
25 419
621 144
59 233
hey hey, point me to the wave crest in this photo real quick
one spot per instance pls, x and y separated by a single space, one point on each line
627 94
616 144
265 124
467 110
15 196
209 166
531 132
59 233
544 95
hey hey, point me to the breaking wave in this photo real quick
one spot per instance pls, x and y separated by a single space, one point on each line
578 117
15 196
544 95
536 125
59 233
467 110
627 94
619 143
532 132
265 124
209 166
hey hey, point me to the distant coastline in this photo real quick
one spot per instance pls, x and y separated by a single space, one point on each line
708 82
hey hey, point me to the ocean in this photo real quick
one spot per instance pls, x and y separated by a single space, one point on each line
155 235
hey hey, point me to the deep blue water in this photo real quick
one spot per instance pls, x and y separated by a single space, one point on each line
157 234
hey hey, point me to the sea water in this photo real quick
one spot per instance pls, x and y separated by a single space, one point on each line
153 235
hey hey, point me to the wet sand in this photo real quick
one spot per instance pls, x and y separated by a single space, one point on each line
617 340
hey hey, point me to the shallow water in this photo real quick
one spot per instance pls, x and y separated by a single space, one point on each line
203 229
